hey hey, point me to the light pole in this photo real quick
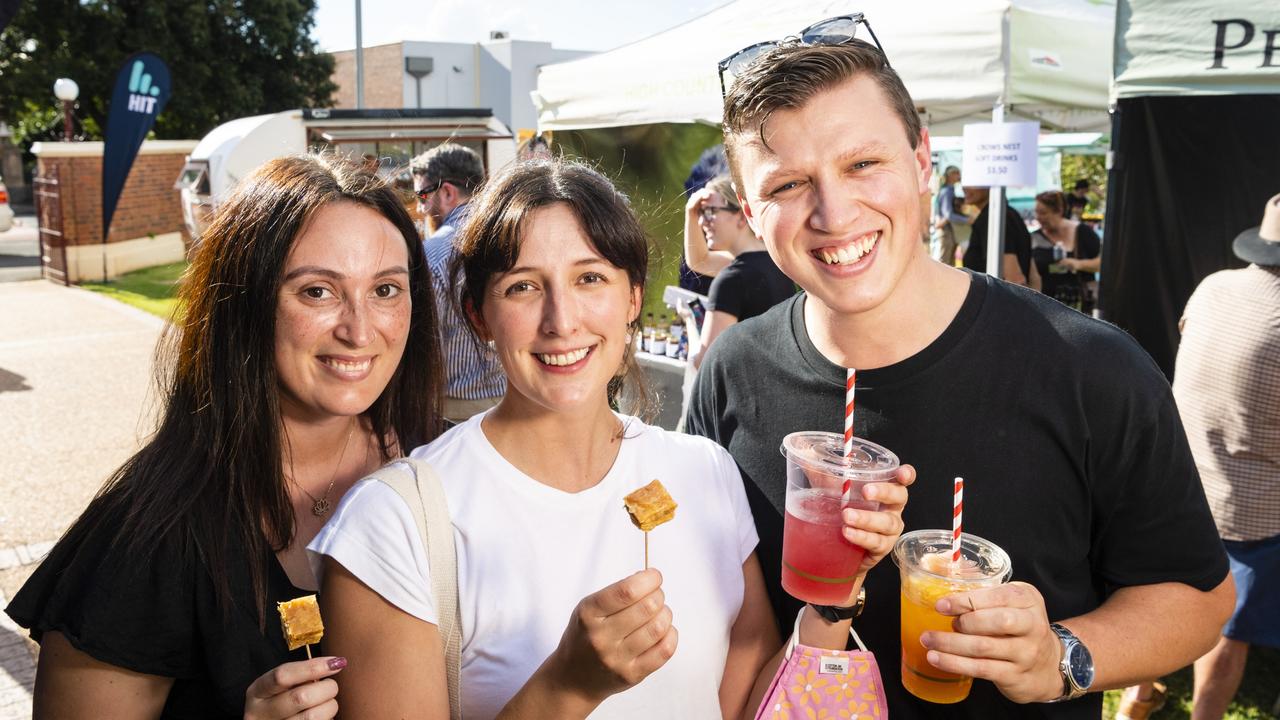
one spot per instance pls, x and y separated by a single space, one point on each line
359 60
67 91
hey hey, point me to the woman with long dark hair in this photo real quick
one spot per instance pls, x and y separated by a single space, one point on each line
283 384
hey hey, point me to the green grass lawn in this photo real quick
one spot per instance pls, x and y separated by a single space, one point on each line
151 289
1254 701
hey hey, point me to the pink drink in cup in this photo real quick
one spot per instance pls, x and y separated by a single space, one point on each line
818 564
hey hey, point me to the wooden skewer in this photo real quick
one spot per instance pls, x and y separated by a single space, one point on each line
308 647
646 549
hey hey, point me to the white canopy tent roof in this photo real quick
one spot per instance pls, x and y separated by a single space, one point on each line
1046 60
1196 47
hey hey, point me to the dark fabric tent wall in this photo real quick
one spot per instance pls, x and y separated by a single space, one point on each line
1188 174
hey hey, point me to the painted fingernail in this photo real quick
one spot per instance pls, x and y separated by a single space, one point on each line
337 663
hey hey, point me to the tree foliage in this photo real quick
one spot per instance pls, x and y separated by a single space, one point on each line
227 58
1090 167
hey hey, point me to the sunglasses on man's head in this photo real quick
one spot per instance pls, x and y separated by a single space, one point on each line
838 30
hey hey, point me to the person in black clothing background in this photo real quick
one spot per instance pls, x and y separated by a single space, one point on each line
1067 254
282 385
1083 476
1017 267
1078 199
751 283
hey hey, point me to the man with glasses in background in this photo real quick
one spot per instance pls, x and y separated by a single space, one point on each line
444 178
1064 430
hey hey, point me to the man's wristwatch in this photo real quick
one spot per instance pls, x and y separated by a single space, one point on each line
834 613
1076 665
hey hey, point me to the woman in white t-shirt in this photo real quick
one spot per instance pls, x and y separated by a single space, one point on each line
558 619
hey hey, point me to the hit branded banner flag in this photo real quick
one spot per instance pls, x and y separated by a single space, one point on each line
142 89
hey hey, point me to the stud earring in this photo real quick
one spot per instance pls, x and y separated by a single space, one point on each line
492 345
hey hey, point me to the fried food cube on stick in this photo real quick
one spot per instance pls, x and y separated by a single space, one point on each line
650 506
300 620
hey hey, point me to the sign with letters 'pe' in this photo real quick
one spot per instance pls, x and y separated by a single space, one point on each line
1001 154
142 89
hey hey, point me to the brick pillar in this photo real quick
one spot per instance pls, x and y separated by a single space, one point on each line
147 227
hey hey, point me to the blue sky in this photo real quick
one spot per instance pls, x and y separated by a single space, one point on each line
567 24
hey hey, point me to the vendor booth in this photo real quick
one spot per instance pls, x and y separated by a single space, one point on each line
1195 156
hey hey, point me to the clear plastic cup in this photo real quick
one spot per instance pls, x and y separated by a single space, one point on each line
818 564
923 558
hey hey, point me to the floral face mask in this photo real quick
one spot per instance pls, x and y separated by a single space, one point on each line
815 682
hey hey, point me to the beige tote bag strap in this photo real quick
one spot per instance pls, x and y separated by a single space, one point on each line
425 497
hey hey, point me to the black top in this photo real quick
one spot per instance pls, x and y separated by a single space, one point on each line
159 617
1076 205
690 280
1057 281
1017 241
1065 432
749 286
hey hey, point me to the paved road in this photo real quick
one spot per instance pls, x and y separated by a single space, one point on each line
75 402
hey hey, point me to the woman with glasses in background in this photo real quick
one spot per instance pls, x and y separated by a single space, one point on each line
719 241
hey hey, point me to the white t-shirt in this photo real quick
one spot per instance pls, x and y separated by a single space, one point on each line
528 553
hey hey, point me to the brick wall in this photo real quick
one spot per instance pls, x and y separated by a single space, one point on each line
383 77
148 203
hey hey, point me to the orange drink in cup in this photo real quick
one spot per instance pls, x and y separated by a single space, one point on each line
923 558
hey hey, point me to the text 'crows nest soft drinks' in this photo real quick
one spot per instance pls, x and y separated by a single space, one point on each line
818 564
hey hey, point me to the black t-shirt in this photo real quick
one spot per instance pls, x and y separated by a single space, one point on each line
749 286
1065 431
159 617
1059 283
1017 241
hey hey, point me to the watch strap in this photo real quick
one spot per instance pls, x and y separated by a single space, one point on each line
835 613
1070 691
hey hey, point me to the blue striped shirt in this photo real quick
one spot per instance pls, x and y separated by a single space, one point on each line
472 370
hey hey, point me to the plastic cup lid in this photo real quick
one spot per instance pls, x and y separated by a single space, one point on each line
824 451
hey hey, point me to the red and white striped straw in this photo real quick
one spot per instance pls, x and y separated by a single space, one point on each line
957 509
850 377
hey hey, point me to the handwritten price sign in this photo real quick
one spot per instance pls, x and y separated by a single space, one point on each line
1002 154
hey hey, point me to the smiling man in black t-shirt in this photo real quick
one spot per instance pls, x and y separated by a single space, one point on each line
1064 430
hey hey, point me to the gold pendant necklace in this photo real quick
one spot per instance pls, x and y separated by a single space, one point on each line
321 505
